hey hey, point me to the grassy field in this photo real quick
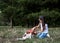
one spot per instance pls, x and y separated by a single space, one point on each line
8 35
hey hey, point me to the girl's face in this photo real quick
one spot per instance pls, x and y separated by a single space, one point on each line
40 20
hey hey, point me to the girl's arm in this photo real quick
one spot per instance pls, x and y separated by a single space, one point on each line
41 28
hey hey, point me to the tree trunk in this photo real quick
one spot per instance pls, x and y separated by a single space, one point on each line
11 22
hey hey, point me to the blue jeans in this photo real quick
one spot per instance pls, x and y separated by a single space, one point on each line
42 35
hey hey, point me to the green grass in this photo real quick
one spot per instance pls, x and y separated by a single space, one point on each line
8 35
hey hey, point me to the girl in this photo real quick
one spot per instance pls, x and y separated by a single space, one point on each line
43 28
42 33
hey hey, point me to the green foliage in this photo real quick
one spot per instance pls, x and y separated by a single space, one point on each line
27 12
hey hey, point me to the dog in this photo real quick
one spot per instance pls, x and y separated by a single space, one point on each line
28 34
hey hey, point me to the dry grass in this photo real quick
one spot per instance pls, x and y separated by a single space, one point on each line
8 35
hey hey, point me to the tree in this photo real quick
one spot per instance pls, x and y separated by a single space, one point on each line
26 12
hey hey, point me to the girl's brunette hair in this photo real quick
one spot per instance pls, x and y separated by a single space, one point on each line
43 21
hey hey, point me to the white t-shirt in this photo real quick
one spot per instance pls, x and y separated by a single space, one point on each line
46 28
